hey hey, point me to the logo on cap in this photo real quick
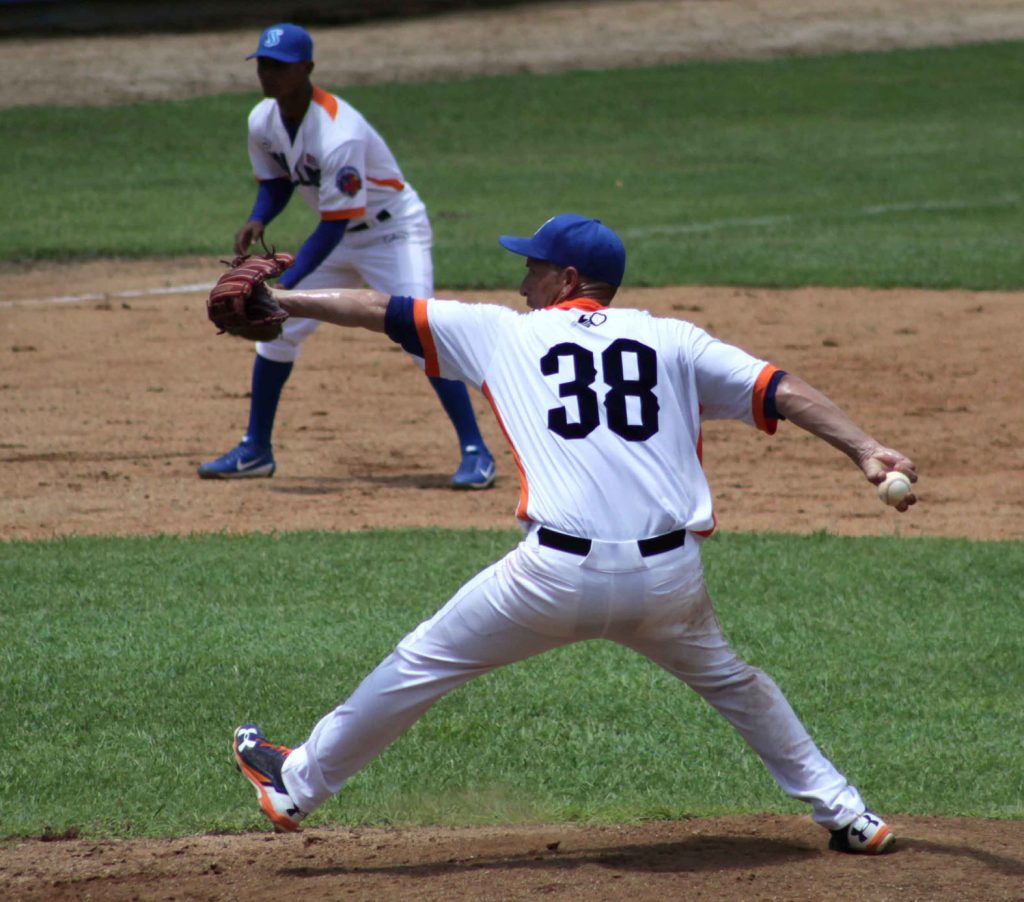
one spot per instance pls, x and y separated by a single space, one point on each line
284 42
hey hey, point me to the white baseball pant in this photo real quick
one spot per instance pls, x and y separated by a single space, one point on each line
536 599
392 257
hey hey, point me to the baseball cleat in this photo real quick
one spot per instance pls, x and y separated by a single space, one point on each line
245 461
261 763
867 834
476 471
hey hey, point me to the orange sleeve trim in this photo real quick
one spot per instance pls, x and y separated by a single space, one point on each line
524 486
328 101
760 387
334 215
387 183
419 317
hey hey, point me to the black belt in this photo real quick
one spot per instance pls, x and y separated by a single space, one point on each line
575 545
382 216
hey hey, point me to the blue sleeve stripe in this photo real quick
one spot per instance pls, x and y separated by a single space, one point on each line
400 324
770 410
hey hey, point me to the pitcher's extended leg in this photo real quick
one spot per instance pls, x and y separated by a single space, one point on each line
750 700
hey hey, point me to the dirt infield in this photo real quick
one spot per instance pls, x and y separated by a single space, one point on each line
112 398
108 442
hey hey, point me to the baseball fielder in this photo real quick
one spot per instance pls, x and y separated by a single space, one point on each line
603 410
373 229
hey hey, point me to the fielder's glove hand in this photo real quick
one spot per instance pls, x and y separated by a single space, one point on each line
240 303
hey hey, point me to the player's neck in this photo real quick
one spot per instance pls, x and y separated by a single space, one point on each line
293 106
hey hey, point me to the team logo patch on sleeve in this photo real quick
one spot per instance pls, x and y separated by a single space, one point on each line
349 181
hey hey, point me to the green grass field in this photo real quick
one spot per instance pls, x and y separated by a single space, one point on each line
875 169
125 664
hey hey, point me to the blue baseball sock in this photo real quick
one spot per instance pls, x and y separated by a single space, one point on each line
268 378
455 401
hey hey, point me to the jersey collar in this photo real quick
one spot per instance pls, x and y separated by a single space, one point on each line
588 304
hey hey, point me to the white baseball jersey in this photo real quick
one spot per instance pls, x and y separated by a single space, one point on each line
583 391
344 170
338 162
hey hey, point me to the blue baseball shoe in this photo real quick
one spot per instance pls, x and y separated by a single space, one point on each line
477 469
260 763
867 834
246 461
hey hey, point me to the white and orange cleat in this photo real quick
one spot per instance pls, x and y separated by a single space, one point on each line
866 834
261 763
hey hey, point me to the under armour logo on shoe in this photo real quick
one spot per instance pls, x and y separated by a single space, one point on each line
246 738
860 827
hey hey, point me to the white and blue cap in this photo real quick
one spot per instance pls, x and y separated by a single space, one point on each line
571 240
285 42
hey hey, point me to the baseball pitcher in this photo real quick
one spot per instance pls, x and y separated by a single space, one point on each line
602 408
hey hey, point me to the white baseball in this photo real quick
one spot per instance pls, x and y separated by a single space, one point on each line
894 488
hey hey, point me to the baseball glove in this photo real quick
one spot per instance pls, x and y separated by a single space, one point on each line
240 304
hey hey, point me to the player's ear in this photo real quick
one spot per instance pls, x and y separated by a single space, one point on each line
310 65
571 281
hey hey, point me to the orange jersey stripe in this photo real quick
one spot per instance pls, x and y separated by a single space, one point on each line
419 316
387 183
524 488
327 101
700 458
760 387
587 304
333 215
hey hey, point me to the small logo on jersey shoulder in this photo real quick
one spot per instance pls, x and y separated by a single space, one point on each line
591 319
349 181
310 160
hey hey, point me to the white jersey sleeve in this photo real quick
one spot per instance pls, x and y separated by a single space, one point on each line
730 383
342 189
456 339
460 338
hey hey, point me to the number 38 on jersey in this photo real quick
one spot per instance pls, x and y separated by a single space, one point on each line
628 370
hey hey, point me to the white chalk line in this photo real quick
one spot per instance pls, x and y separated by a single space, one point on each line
683 228
110 295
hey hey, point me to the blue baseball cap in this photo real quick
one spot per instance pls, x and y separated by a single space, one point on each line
572 240
285 42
